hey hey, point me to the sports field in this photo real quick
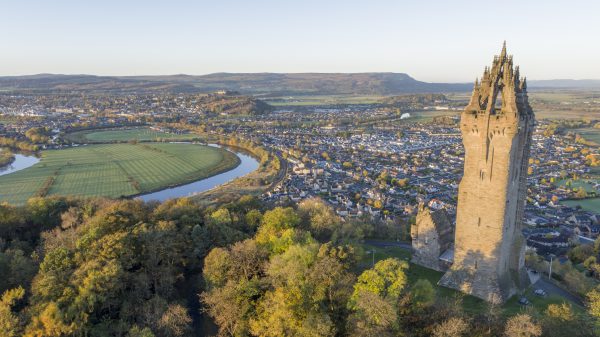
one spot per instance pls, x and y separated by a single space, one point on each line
591 204
590 134
114 170
123 135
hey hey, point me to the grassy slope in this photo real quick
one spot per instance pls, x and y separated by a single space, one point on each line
114 170
471 304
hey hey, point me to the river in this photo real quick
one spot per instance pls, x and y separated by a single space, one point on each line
247 165
21 162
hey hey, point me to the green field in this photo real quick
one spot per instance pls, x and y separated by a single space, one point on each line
590 134
592 204
114 170
123 135
576 184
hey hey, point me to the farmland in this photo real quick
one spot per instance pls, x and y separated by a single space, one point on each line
114 170
123 135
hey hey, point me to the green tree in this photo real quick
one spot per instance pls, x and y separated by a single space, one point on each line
136 331
386 279
422 295
319 218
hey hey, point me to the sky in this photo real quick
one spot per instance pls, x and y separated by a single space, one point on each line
436 41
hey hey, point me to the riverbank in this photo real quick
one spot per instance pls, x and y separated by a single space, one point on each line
247 165
271 171
6 158
229 163
271 168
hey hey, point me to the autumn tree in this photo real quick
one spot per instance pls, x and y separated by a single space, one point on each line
522 325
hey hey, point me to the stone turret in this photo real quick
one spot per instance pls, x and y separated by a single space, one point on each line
432 235
496 127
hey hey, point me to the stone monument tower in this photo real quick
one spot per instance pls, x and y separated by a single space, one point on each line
496 129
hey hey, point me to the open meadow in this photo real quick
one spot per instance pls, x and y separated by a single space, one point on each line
123 135
114 170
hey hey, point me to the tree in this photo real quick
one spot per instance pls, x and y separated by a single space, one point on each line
452 327
253 218
581 193
422 295
593 302
372 316
374 301
232 305
136 331
278 230
216 267
386 279
560 320
580 253
175 321
522 325
319 218
309 289
221 217
10 323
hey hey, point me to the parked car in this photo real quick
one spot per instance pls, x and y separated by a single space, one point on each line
540 292
524 301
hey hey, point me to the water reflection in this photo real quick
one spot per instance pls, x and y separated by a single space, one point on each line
20 162
247 165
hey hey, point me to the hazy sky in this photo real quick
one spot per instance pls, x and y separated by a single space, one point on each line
430 40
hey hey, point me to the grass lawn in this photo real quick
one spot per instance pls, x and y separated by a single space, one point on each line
590 134
123 135
114 170
592 204
585 183
471 304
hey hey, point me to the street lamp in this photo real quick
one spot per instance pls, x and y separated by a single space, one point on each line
550 272
372 252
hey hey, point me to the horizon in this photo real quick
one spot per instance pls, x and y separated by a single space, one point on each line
281 73
440 43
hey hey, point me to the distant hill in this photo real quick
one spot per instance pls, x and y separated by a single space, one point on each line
232 104
274 84
251 83
565 83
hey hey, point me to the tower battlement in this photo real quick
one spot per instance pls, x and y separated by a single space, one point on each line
496 128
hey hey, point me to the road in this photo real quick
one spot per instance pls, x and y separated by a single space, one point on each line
552 289
383 244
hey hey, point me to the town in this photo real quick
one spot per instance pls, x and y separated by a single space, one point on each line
368 161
